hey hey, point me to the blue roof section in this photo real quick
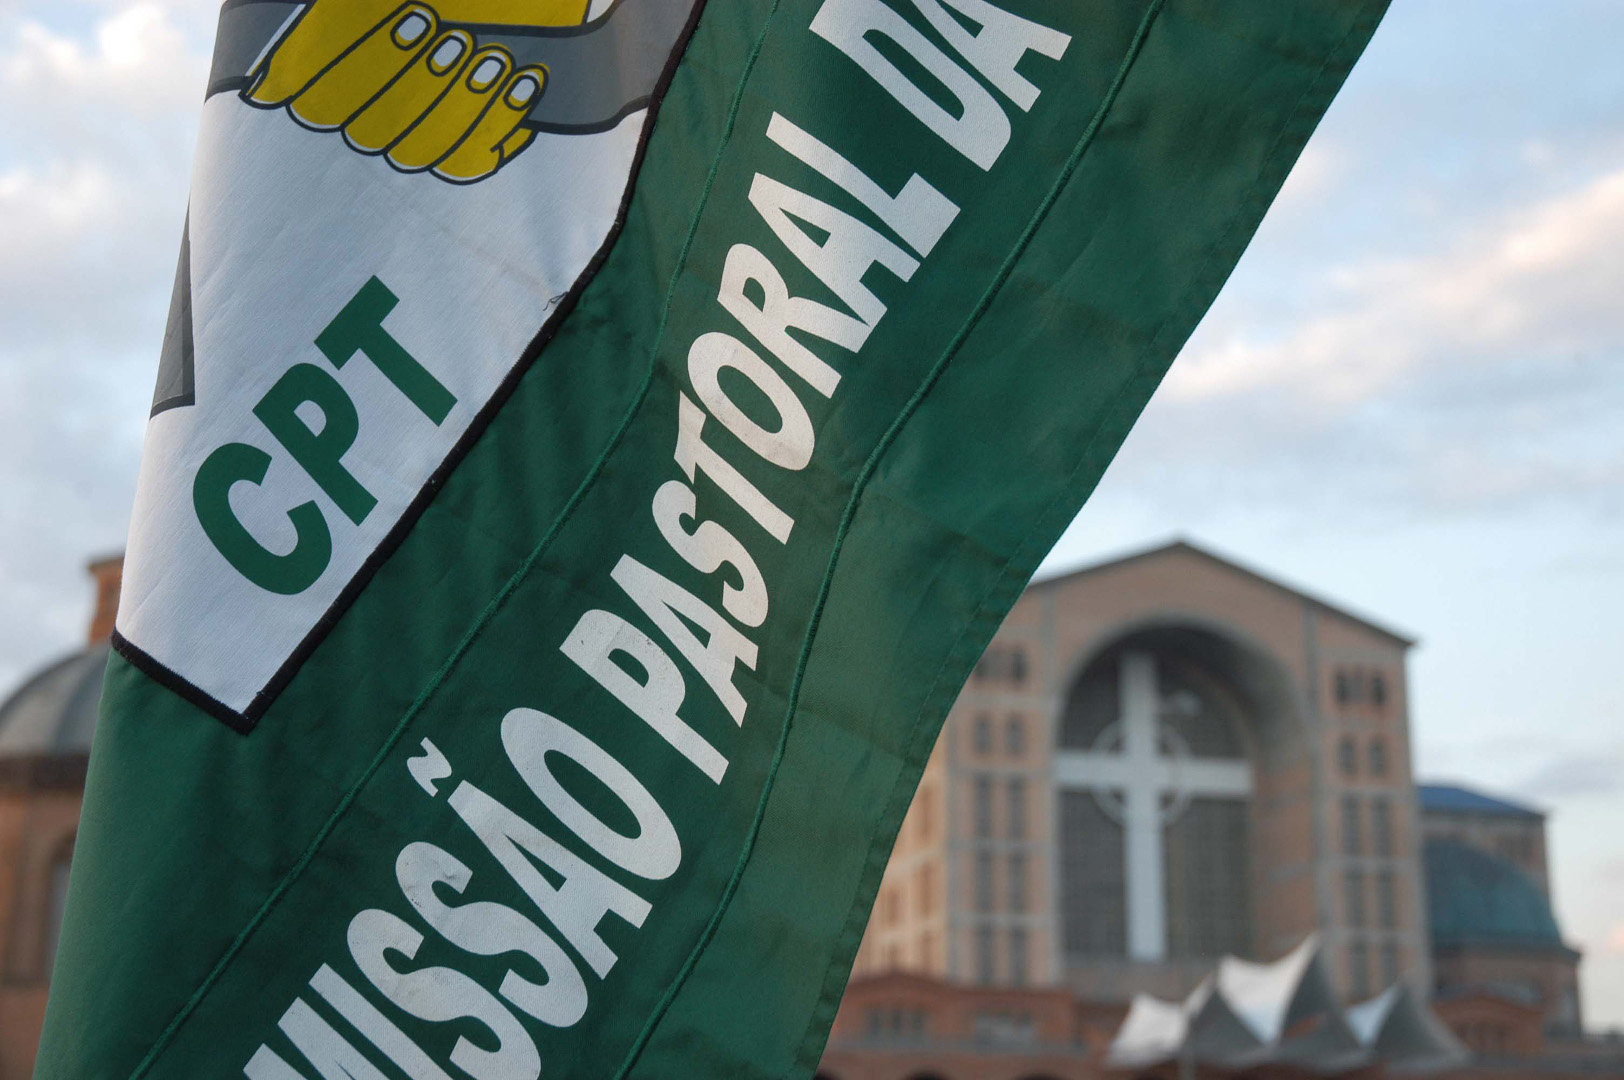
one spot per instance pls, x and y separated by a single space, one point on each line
1450 799
1477 899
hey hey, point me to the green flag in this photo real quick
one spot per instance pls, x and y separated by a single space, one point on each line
593 442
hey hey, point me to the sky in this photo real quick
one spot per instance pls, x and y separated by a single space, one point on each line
1407 398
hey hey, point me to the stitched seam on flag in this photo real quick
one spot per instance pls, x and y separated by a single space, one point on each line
496 602
868 470
1123 413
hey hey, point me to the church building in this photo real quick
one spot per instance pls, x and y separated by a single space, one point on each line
1161 762
1169 759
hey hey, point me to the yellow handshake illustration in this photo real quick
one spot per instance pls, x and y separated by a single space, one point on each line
408 82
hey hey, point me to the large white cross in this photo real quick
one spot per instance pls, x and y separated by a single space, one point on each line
1140 774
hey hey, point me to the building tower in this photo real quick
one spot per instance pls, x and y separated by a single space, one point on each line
1501 966
45 730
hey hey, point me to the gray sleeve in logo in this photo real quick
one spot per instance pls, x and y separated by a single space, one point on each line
175 380
597 73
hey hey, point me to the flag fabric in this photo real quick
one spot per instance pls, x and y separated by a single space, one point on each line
593 443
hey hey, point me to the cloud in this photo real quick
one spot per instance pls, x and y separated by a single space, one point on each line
98 136
1577 774
96 140
124 89
1542 282
128 49
1615 939
1478 377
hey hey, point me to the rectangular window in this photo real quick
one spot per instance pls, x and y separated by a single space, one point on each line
983 806
1386 901
1017 808
1389 964
1358 971
984 955
1017 882
981 734
1003 663
983 881
1353 840
1017 956
1014 737
927 889
1354 886
1381 826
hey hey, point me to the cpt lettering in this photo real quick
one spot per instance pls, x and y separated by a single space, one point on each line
317 449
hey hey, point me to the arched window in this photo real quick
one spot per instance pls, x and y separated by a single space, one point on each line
1018 970
981 790
1132 719
1017 882
1014 736
926 891
1347 756
983 734
1015 794
1353 833
1381 826
925 805
1358 970
1378 757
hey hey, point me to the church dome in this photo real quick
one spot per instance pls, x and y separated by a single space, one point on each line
53 714
1477 899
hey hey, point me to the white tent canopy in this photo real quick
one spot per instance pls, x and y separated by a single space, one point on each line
1283 1013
